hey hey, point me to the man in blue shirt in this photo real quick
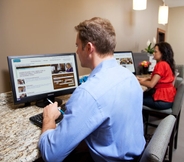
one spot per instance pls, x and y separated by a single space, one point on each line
105 111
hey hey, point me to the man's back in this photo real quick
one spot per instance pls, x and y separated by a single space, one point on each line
118 113
106 110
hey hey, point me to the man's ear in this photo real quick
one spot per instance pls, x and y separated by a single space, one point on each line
90 48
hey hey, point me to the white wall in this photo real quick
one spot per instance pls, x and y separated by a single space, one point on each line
47 26
176 32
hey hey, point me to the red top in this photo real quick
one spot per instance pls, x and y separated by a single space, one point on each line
165 90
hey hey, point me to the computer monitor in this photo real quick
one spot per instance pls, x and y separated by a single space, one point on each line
38 77
125 58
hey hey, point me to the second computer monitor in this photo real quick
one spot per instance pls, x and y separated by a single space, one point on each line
125 59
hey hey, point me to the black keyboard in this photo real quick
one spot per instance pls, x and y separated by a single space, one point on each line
38 119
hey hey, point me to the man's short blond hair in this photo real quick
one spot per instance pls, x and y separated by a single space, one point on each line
99 32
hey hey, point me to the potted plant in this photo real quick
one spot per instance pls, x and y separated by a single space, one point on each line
150 48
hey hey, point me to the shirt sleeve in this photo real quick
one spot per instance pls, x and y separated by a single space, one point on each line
160 69
82 117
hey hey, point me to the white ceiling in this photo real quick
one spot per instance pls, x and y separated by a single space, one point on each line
174 3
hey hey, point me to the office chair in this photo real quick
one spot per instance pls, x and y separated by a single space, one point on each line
175 110
157 147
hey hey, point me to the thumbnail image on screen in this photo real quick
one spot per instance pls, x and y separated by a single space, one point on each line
125 59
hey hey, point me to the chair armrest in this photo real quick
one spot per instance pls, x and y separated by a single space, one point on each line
156 149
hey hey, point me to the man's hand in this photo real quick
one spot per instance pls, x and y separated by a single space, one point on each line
50 114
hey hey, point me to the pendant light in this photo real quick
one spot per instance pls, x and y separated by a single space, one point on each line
163 14
139 4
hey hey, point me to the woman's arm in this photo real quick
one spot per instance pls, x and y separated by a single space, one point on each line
143 78
150 83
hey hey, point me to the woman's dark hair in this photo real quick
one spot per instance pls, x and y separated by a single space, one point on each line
167 54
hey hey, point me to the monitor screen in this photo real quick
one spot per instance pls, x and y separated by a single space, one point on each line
125 58
36 77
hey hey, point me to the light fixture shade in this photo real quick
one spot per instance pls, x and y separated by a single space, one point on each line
139 4
163 15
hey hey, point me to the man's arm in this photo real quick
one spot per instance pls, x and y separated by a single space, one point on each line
50 114
82 116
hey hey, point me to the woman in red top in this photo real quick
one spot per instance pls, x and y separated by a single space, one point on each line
162 93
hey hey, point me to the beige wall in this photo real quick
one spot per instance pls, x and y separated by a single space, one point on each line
47 26
176 32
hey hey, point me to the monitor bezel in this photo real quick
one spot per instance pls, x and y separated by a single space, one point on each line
117 52
44 95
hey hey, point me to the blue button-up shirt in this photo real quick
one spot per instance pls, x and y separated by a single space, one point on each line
106 111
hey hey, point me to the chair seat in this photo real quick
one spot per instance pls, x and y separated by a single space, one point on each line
166 111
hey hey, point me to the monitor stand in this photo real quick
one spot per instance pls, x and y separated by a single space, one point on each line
45 102
27 104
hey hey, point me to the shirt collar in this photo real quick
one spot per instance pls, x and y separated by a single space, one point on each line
104 65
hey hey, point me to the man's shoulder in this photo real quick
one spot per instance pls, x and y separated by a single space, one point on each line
100 83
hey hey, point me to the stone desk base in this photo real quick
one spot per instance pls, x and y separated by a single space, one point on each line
18 136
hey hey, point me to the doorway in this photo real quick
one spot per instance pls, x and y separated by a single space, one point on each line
160 35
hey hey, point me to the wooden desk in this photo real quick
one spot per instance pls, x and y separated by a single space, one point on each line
18 136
